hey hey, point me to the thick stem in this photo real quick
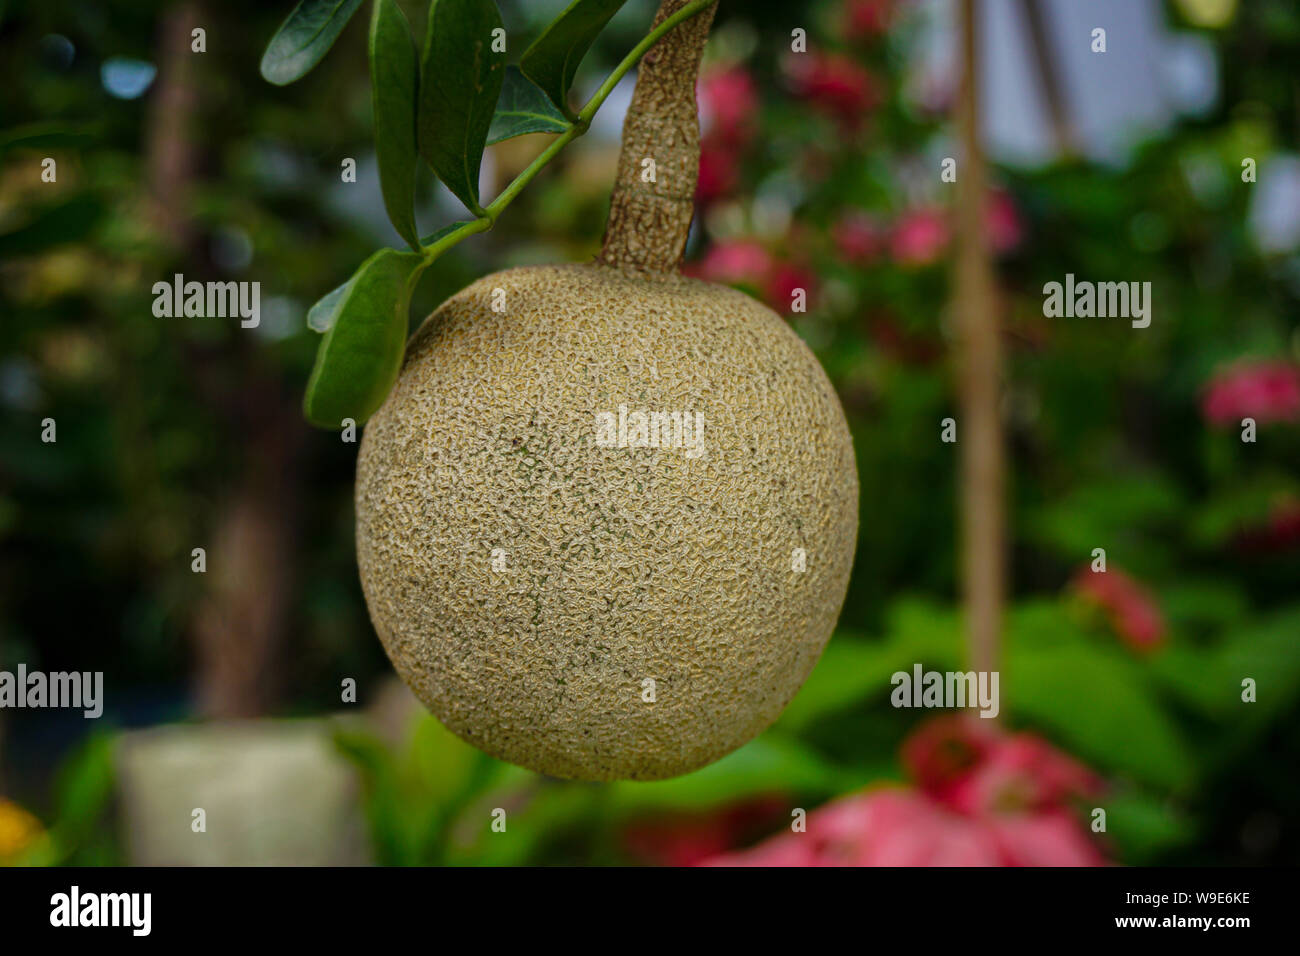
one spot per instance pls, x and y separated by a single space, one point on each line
654 195
983 467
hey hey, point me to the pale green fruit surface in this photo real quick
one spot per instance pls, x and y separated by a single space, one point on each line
630 573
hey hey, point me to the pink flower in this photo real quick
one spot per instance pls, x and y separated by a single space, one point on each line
1265 390
1131 608
1002 222
835 84
728 104
786 279
899 827
945 750
890 827
1021 772
1051 838
688 840
866 19
858 239
983 798
737 261
919 237
719 172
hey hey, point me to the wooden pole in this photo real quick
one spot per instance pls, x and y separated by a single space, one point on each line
980 428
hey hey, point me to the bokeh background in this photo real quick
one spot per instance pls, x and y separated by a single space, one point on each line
1120 691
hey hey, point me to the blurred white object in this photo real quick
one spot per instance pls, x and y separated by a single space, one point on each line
1275 209
273 792
1112 100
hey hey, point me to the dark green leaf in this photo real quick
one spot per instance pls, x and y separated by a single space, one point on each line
552 60
361 354
523 108
1059 688
764 766
321 316
460 80
1143 826
394 80
84 789
46 135
53 225
304 37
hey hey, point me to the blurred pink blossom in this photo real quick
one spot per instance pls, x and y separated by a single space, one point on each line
691 839
1002 222
858 238
735 261
867 19
1132 609
728 104
747 262
1265 390
1021 772
719 172
958 814
834 83
919 237
785 280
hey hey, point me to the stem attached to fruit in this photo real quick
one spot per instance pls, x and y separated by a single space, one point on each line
654 195
664 24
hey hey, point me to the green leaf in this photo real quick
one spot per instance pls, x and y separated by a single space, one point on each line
1102 710
850 671
1144 826
55 224
358 361
523 108
84 790
460 80
46 135
552 60
322 315
767 765
446 230
394 82
304 38
1210 679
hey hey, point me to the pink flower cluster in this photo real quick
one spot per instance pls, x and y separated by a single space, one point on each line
728 104
982 797
835 84
867 19
1267 391
1131 608
920 236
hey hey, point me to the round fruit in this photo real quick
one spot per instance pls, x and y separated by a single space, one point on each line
560 594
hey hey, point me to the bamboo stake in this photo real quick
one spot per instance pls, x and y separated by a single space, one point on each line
980 360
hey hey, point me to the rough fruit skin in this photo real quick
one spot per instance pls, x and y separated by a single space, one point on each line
622 564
